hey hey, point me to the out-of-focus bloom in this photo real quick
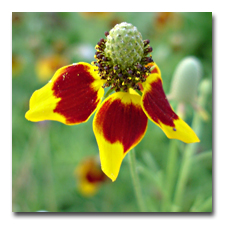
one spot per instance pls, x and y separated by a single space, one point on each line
17 65
163 17
89 176
164 20
184 85
75 92
47 65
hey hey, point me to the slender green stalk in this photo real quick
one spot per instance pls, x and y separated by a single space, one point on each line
170 175
136 182
184 172
188 154
190 149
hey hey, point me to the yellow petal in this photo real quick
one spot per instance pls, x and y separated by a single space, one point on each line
158 110
70 97
119 125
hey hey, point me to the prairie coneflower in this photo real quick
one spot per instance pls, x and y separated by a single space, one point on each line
122 63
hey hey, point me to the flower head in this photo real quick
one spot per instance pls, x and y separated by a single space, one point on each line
122 63
122 58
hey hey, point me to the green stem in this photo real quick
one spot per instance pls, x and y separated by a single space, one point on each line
190 149
187 158
170 175
136 182
184 172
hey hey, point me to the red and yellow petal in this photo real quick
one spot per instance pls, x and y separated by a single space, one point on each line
158 109
70 97
119 125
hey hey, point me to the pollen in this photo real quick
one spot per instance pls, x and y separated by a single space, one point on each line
122 58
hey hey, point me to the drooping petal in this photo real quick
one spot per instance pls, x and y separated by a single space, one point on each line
119 125
158 109
70 97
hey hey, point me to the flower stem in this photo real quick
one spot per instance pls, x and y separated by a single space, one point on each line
170 175
190 149
136 182
184 173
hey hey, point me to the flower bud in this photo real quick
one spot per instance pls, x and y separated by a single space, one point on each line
185 81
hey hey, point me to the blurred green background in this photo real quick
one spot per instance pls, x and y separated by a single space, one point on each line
45 154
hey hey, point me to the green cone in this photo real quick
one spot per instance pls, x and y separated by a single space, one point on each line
124 45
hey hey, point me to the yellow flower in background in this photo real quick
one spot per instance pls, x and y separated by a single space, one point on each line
47 65
89 176
122 63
